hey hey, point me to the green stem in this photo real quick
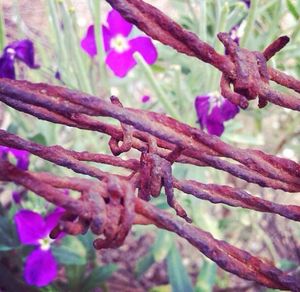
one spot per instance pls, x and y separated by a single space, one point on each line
16 11
203 22
60 46
2 31
79 67
250 23
194 15
218 46
273 31
178 90
218 20
163 98
263 7
296 30
96 13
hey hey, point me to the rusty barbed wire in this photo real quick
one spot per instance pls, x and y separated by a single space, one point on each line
198 147
214 193
107 202
110 204
102 210
245 70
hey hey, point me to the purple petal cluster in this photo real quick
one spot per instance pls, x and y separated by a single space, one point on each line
212 111
21 156
18 50
40 265
118 46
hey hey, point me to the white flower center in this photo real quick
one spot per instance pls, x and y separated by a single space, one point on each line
11 52
119 43
215 100
45 243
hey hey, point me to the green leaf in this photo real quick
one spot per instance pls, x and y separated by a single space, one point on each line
98 276
178 276
38 138
13 128
157 253
207 277
70 252
87 241
8 237
144 264
292 9
285 264
2 31
49 288
161 202
162 245
162 288
157 68
10 282
75 275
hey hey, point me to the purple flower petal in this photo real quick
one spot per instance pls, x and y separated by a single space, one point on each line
106 35
117 24
24 51
202 107
229 110
247 3
4 151
88 43
215 122
120 63
234 35
40 268
57 75
52 219
145 98
7 69
145 47
22 157
30 226
18 195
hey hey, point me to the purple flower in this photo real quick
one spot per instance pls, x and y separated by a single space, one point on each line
234 34
57 75
40 265
238 29
145 98
118 46
18 50
212 111
247 3
22 156
17 195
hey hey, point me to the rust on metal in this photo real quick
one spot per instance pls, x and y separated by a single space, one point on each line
162 28
110 204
